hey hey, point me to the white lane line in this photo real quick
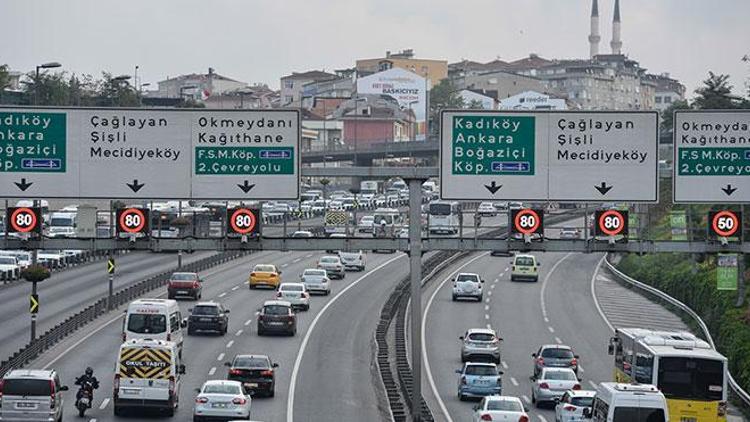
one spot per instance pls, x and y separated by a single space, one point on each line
235 288
551 330
248 322
489 294
297 260
493 286
489 326
238 333
580 369
557 339
284 265
231 342
487 307
507 268
546 319
257 312
212 371
593 384
505 364
425 359
309 255
223 294
92 420
544 284
542 418
221 357
104 404
311 328
526 399
486 316
514 382
593 294
496 280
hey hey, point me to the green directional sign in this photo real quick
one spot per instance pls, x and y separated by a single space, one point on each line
32 142
727 271
678 221
244 160
714 162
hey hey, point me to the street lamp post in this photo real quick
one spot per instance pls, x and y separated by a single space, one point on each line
116 81
49 65
356 122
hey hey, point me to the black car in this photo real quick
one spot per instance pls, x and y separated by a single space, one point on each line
208 316
255 372
277 316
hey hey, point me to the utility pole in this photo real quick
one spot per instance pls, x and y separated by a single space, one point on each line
415 266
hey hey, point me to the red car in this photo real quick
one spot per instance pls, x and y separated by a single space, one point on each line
185 285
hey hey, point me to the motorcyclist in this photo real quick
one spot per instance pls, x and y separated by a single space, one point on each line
87 377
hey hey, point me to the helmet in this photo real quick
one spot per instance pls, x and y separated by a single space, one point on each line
89 371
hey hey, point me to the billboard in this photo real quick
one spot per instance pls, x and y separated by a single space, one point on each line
405 87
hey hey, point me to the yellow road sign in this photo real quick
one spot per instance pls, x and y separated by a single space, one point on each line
110 266
33 304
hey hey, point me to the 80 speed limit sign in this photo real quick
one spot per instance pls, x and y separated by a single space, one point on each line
243 221
611 223
527 221
132 221
724 223
24 220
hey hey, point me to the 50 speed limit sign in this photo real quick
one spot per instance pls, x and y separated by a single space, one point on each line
527 221
611 223
24 220
724 223
243 221
132 221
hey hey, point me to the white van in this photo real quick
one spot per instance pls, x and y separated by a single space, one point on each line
618 402
156 319
147 376
31 395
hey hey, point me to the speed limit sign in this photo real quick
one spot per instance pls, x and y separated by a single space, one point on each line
724 223
243 221
132 221
611 223
527 221
24 220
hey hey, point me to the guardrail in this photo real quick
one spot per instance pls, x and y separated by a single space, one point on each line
741 394
100 307
62 263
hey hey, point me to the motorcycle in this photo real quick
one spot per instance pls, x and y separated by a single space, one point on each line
84 398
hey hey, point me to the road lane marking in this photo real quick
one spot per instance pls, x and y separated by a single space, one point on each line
212 371
557 339
486 316
489 294
311 328
235 288
580 368
544 285
496 280
239 333
309 255
223 294
542 418
248 322
493 286
514 382
593 384
297 260
284 265
526 399
104 404
231 342
221 357
507 268
489 326
487 307
425 359
505 364
551 330
593 294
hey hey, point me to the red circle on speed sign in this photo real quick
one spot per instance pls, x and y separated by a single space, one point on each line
528 225
23 220
721 226
243 221
614 215
132 220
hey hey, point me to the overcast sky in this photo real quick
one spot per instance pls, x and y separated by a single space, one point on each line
261 40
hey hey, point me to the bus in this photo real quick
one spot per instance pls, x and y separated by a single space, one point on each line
444 217
687 370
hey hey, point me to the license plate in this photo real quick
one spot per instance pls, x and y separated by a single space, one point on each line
220 405
205 319
276 323
129 391
182 292
23 405
251 384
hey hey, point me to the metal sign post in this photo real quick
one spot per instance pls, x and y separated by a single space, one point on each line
415 265
111 272
33 314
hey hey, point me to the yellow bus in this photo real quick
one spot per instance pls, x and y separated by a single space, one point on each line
687 370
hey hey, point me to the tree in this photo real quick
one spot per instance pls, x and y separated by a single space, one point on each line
716 93
667 116
443 95
117 93
475 105
49 89
4 77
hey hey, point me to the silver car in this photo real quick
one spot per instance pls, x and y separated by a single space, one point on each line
467 285
296 294
31 395
552 383
316 280
554 356
480 343
353 260
221 399
333 266
365 224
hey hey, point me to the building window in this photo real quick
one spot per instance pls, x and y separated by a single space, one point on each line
658 100
288 84
384 65
288 99
667 99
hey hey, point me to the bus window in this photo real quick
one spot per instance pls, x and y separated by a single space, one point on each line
440 209
691 378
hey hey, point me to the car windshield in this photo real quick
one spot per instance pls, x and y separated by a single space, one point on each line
329 260
221 389
481 370
147 323
524 260
559 376
315 273
251 362
638 414
184 276
582 401
26 387
264 268
206 310
481 337
292 288
302 234
275 310
504 405
4 260
553 353
440 209
467 277
691 379
366 219
380 219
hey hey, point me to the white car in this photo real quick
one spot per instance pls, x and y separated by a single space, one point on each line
354 261
9 264
221 399
467 285
316 280
61 231
570 407
302 234
333 266
296 294
336 205
500 408
365 224
486 209
552 385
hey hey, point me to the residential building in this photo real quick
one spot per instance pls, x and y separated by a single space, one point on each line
478 99
373 119
668 91
196 85
292 86
251 97
501 84
14 80
342 87
432 70
328 131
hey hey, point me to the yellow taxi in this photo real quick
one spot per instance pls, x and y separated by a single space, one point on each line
264 275
525 267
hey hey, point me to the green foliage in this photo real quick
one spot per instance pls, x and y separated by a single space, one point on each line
4 77
118 92
667 115
443 95
475 105
716 93
35 273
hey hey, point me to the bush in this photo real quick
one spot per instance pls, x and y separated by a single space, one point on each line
35 273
